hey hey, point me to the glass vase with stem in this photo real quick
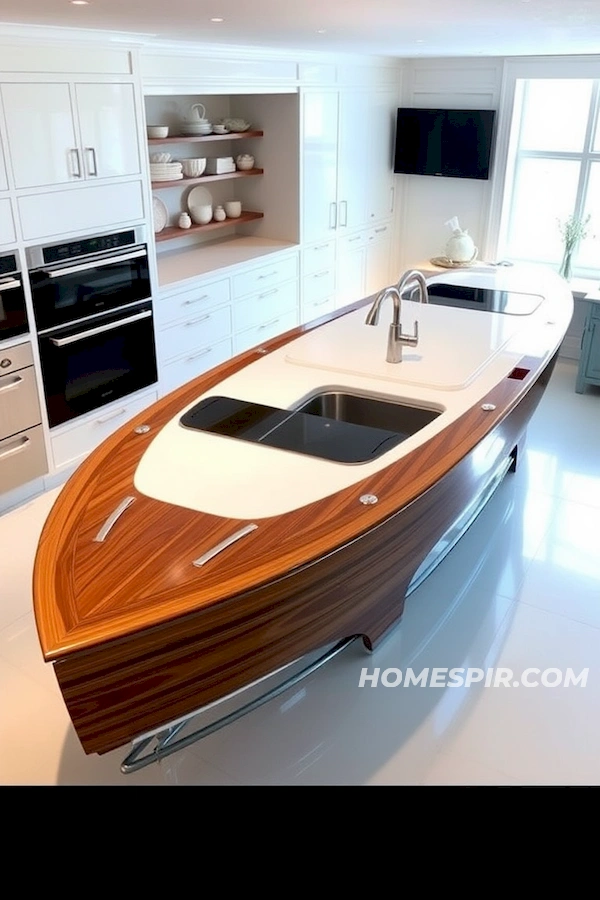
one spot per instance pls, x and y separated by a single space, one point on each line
573 230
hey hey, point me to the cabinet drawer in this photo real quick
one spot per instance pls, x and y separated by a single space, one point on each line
19 403
197 331
72 444
274 273
22 458
183 369
89 208
353 242
317 257
18 357
261 308
379 233
172 307
317 308
318 286
7 225
265 331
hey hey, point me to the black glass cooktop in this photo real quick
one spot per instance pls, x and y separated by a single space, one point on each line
510 303
286 429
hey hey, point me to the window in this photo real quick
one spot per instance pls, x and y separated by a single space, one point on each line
553 171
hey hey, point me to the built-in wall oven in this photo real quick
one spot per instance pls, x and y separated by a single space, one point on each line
93 315
13 312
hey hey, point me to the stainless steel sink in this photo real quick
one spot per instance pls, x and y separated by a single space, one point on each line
371 412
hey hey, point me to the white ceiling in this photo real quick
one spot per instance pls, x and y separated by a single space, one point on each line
405 28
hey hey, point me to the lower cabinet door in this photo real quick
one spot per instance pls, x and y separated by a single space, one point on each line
22 458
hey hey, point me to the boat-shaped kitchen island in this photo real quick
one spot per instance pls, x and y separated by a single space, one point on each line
287 500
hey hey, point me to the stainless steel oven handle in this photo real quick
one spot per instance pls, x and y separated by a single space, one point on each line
9 285
94 264
73 338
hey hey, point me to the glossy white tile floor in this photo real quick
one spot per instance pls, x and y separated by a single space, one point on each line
521 589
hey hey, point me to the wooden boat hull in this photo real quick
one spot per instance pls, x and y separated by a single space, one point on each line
138 640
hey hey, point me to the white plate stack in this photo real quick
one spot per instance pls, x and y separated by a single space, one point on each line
165 171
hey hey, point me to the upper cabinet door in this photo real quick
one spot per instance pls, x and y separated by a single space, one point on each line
107 123
319 164
3 180
355 173
381 125
41 134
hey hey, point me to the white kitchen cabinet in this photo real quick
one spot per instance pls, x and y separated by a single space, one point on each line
351 269
347 140
60 133
378 259
7 224
84 209
3 178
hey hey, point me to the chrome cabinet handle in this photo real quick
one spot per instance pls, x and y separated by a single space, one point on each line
11 385
115 514
75 172
344 223
268 293
218 548
94 264
321 274
93 173
73 338
267 324
195 300
197 321
199 354
9 285
23 442
392 197
333 215
270 275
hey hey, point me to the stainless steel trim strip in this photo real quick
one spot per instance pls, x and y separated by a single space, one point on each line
101 536
73 338
218 548
94 264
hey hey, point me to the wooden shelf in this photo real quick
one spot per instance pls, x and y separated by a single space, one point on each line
186 138
169 234
202 179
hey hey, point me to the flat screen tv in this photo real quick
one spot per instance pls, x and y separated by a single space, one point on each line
455 143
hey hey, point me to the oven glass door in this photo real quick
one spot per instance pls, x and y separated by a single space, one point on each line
68 292
13 315
86 366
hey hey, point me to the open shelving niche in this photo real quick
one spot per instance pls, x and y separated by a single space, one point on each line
269 193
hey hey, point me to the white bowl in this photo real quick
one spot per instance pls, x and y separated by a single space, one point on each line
193 168
233 209
201 215
157 131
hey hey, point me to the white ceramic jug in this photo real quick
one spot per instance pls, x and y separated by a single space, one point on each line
460 247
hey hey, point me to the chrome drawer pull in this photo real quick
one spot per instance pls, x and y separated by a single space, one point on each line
270 275
17 380
196 300
321 302
61 342
198 355
268 324
197 321
321 274
23 441
224 544
268 293
94 264
101 536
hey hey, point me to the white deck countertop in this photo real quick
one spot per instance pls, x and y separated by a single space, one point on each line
461 355
175 267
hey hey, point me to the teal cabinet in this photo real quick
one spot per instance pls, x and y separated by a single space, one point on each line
589 361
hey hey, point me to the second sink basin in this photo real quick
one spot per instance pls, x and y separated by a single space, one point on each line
357 409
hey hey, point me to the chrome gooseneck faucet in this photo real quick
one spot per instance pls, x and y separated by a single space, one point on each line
396 340
414 275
